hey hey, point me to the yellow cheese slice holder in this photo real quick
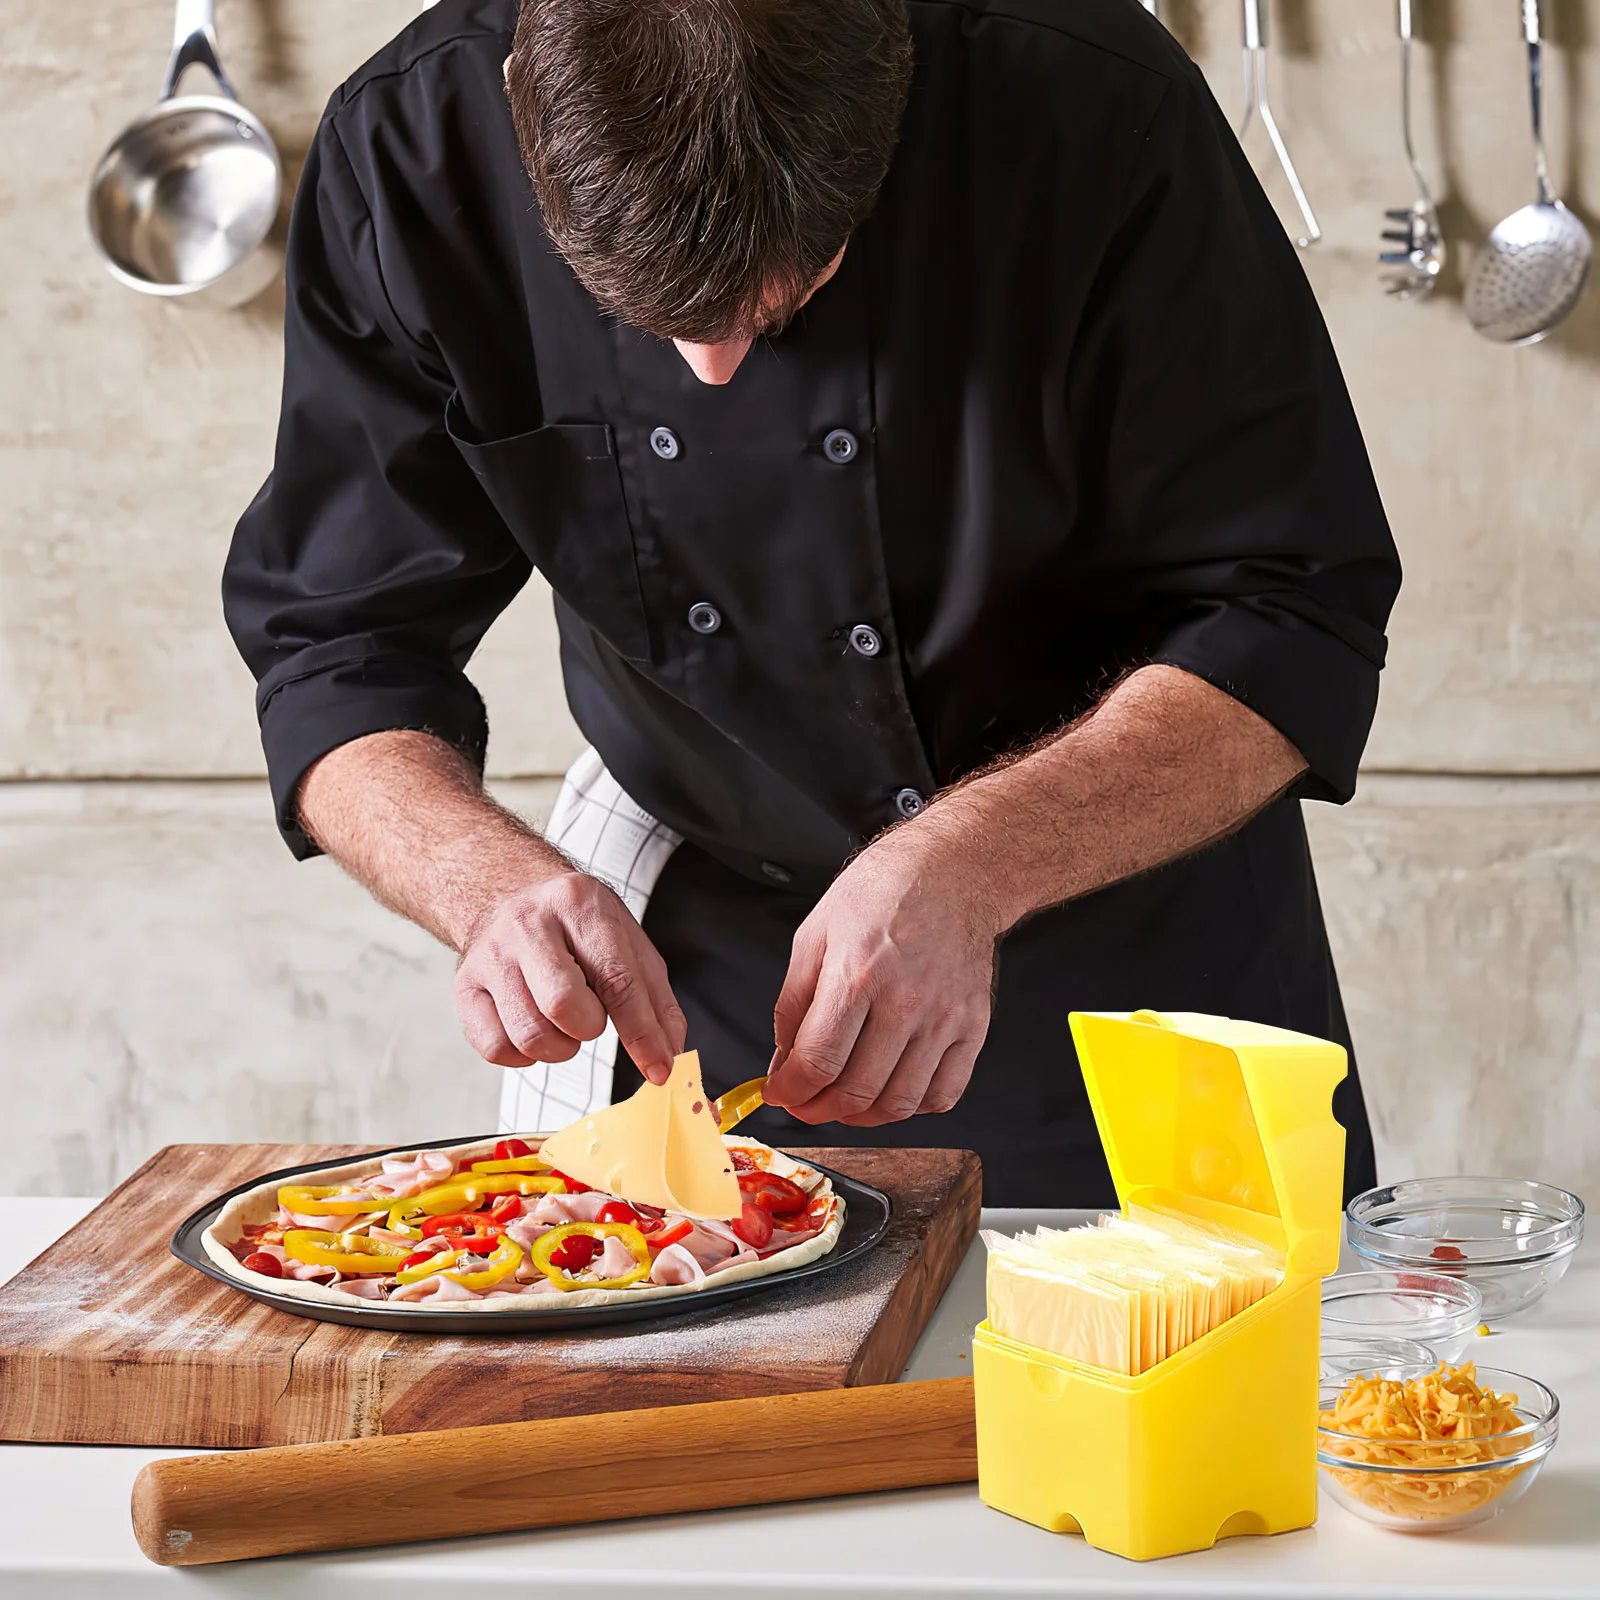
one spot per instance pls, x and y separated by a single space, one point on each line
1227 1122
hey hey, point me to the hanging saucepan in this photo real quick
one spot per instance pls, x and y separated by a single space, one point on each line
183 199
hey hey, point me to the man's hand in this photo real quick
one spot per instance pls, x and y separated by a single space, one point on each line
547 952
888 993
889 989
550 964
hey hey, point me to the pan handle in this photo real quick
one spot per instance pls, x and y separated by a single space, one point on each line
194 42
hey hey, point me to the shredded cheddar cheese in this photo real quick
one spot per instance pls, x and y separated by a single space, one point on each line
1439 1421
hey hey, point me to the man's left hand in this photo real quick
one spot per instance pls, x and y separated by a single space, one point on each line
890 984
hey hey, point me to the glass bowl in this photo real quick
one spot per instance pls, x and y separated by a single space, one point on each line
1343 1357
1441 1313
1449 1483
1511 1238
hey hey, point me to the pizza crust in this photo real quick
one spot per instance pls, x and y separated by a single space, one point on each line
260 1205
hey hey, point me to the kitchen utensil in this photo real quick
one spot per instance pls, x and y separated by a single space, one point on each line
1396 1497
183 198
737 1104
192 1510
867 1214
1257 104
107 1338
1534 265
1416 266
1344 1356
1439 1312
1510 1238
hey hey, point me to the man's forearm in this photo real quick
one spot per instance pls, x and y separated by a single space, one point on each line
406 814
1165 764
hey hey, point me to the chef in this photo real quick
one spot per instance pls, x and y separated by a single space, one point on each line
964 552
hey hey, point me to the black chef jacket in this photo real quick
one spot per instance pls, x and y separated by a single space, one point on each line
1068 406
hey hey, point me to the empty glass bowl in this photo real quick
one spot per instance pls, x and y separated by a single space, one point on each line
1343 1357
1511 1238
1436 1485
1437 1312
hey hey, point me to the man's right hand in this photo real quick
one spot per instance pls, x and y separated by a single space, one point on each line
550 963
547 951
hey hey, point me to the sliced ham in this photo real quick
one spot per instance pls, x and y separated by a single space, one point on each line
675 1267
366 1288
404 1176
525 1230
614 1261
308 1219
738 1260
437 1290
585 1207
709 1248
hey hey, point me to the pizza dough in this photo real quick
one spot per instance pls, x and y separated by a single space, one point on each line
260 1205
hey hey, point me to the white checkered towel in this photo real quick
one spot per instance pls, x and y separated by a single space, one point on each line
607 834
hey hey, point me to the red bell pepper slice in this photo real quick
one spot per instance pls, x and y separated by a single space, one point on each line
659 1237
773 1193
452 1222
573 1186
510 1149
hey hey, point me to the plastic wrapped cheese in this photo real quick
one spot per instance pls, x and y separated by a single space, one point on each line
1127 1293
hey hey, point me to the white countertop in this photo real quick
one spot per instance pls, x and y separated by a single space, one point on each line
65 1531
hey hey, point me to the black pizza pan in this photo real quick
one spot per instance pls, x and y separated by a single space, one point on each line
867 1214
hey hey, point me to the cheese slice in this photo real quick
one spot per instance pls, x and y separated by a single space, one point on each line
659 1147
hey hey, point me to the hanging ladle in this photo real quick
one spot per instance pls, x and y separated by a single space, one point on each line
183 198
1256 103
1531 271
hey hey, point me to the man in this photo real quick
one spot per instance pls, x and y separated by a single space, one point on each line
960 537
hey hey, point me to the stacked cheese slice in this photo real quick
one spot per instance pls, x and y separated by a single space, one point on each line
1127 1293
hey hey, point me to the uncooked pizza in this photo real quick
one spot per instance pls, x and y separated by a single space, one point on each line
661 1204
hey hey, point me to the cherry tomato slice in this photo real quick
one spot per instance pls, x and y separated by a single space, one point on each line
575 1253
507 1208
267 1266
509 1149
619 1211
754 1226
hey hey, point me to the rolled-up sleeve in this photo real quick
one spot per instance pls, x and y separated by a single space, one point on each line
369 566
1238 526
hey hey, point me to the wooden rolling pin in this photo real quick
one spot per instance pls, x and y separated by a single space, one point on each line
191 1510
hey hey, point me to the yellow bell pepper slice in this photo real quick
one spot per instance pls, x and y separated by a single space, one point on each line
350 1253
325 1200
506 1259
548 1243
512 1164
466 1192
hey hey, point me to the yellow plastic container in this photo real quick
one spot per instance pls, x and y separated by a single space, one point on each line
1230 1122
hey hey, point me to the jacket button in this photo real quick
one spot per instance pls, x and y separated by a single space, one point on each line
778 874
908 802
704 617
665 443
865 640
840 446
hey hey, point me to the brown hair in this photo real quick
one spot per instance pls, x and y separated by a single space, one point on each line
700 162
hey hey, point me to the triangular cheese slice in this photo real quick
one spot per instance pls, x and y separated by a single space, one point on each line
659 1147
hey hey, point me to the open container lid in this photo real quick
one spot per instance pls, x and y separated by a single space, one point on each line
1237 1114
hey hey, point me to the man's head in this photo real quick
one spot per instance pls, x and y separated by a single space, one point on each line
701 163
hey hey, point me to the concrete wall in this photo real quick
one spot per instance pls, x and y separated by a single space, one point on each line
166 973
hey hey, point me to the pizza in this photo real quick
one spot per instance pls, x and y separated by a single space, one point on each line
490 1225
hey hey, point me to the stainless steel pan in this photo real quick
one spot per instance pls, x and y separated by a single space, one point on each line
183 199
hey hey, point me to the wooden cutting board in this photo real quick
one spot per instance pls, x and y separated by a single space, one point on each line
107 1339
